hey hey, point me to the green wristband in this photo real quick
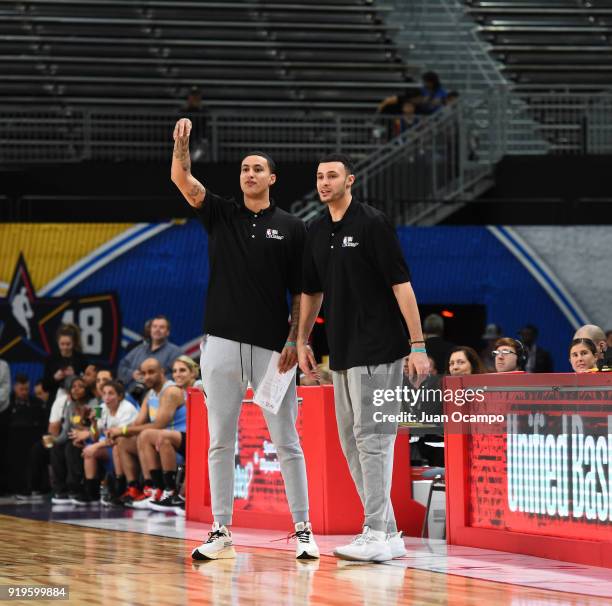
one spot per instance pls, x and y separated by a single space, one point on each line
290 343
418 350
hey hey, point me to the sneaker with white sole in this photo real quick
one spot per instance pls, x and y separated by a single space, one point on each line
167 502
305 545
396 544
149 495
179 510
61 498
369 546
218 546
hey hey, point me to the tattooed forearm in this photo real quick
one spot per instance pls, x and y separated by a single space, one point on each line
181 153
295 317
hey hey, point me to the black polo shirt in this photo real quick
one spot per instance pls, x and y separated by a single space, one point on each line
355 262
254 258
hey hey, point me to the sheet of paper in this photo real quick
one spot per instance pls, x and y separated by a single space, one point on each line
273 386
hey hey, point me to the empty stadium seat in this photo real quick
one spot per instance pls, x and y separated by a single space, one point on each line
314 54
549 44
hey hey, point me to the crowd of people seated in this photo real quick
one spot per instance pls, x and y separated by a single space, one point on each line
88 437
84 437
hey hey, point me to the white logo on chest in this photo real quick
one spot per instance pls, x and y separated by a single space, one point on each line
347 242
274 235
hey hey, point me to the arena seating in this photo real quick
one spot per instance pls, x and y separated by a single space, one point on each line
255 54
549 44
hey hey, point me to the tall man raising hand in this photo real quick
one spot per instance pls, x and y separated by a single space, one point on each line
255 255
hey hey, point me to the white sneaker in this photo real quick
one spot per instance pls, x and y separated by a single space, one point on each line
305 545
396 545
369 546
218 546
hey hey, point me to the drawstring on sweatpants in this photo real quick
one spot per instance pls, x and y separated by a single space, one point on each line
242 365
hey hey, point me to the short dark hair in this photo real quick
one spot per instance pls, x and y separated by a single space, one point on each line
588 342
531 327
433 78
117 386
343 158
21 378
257 152
160 317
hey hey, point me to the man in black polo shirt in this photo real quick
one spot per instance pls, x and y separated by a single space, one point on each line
354 264
255 256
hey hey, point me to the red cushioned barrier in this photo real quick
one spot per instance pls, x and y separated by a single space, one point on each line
260 500
549 495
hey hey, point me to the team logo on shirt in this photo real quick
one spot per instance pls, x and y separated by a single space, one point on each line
347 242
274 235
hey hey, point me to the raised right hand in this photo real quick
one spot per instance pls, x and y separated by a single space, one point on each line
182 129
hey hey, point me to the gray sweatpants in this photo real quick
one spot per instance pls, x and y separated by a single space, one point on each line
367 445
227 366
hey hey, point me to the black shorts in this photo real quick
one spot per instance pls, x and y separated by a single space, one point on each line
183 445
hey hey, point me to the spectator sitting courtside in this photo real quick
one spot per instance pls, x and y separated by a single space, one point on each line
27 423
40 392
595 334
116 411
509 355
146 336
157 448
465 361
583 355
5 391
66 460
66 362
159 347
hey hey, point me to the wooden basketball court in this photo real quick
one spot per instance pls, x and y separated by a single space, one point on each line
102 566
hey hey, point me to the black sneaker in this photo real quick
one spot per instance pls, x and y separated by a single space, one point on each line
61 498
84 500
168 501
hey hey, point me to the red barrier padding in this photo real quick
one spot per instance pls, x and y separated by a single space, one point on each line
260 500
542 483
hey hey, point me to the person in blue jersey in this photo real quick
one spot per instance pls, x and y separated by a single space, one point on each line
153 459
162 406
